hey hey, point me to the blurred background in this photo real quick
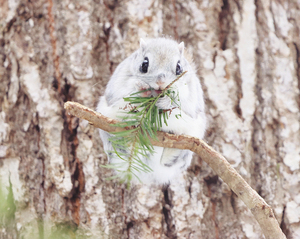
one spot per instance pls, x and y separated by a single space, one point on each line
247 55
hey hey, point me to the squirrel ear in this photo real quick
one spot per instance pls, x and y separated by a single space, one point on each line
143 44
181 48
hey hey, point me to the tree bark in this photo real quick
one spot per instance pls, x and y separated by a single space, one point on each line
248 59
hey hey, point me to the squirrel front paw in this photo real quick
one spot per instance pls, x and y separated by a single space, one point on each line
164 103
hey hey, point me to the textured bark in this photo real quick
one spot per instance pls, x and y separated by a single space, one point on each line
248 58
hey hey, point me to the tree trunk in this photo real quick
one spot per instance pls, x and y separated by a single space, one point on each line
52 184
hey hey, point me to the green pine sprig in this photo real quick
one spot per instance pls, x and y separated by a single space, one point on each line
134 144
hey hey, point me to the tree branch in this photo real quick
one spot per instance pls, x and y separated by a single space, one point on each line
262 212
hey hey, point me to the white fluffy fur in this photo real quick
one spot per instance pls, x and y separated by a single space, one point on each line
163 55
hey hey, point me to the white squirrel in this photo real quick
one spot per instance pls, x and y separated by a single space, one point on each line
154 66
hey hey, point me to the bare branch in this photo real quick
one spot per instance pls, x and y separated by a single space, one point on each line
262 212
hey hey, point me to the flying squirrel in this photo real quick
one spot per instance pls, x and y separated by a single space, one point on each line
154 66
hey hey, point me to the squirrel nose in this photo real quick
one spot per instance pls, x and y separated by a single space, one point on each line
161 81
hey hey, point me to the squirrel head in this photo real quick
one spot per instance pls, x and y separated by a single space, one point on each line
158 62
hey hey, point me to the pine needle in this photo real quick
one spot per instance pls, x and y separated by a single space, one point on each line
132 144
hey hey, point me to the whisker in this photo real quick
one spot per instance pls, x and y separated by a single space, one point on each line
95 84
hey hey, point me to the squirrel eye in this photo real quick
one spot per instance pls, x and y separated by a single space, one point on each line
144 66
178 68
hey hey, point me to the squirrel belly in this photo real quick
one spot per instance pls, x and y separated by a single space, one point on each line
155 65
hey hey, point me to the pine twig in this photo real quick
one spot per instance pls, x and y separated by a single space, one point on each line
262 212
147 119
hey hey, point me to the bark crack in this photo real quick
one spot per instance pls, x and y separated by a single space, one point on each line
210 181
297 68
69 145
224 18
106 31
53 44
228 38
283 225
167 206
